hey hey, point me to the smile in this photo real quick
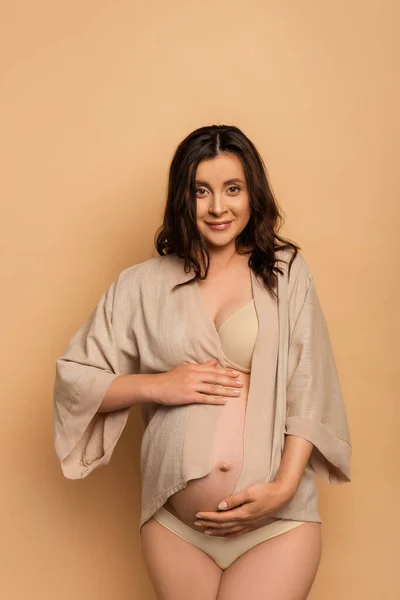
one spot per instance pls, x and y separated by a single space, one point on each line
218 227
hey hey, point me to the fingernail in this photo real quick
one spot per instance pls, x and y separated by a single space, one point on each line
222 505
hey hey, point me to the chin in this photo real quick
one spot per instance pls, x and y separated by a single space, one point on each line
219 244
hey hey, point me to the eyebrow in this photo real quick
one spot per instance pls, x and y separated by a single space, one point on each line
234 180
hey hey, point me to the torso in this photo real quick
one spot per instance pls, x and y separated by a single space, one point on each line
222 296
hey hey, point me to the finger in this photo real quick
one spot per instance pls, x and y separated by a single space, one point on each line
220 380
221 371
238 530
236 500
211 389
206 399
221 516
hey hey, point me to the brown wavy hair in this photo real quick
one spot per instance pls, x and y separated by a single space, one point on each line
179 233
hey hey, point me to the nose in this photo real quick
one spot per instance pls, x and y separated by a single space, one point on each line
217 204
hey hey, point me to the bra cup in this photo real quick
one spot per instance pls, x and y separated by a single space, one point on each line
238 335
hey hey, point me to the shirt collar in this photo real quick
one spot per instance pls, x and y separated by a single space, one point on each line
178 274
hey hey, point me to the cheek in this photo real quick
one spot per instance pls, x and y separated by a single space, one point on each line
245 212
200 211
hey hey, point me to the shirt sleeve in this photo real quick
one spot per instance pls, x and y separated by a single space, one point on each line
101 350
315 409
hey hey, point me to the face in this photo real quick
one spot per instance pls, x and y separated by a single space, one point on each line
221 196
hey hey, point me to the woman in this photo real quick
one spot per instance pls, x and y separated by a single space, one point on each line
251 427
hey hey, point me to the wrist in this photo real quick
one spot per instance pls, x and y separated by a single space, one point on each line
287 487
151 387
148 387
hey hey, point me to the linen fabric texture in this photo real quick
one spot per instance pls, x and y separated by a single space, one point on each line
151 319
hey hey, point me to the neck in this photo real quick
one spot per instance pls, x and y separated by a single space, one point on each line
226 258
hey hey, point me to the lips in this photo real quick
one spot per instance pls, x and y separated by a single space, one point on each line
219 223
217 226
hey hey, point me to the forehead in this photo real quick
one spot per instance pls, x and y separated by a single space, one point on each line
220 168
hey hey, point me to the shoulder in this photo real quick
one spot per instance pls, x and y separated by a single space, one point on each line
145 275
299 276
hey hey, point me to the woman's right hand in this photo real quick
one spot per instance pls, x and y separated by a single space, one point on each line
192 383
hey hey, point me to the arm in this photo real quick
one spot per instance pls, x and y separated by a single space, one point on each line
126 391
295 456
92 388
315 409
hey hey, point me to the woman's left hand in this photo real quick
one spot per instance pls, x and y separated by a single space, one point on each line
248 510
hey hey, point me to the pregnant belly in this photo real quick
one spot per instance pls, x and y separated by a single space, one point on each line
206 493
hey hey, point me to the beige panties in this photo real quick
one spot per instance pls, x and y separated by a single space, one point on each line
221 549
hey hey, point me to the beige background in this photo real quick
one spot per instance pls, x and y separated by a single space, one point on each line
95 97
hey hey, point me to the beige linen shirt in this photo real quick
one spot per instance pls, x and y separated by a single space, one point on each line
151 319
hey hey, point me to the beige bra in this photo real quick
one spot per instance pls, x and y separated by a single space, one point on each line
238 335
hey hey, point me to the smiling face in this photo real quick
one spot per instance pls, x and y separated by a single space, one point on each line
221 196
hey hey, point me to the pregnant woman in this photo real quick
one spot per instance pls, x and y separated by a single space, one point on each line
249 428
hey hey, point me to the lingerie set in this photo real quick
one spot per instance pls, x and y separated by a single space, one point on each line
237 335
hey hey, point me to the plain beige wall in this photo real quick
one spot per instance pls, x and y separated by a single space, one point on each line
95 97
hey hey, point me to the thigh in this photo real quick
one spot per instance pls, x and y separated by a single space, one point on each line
281 568
177 569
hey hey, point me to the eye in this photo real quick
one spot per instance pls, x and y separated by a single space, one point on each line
232 187
235 187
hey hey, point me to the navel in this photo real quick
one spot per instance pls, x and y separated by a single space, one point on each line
224 465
